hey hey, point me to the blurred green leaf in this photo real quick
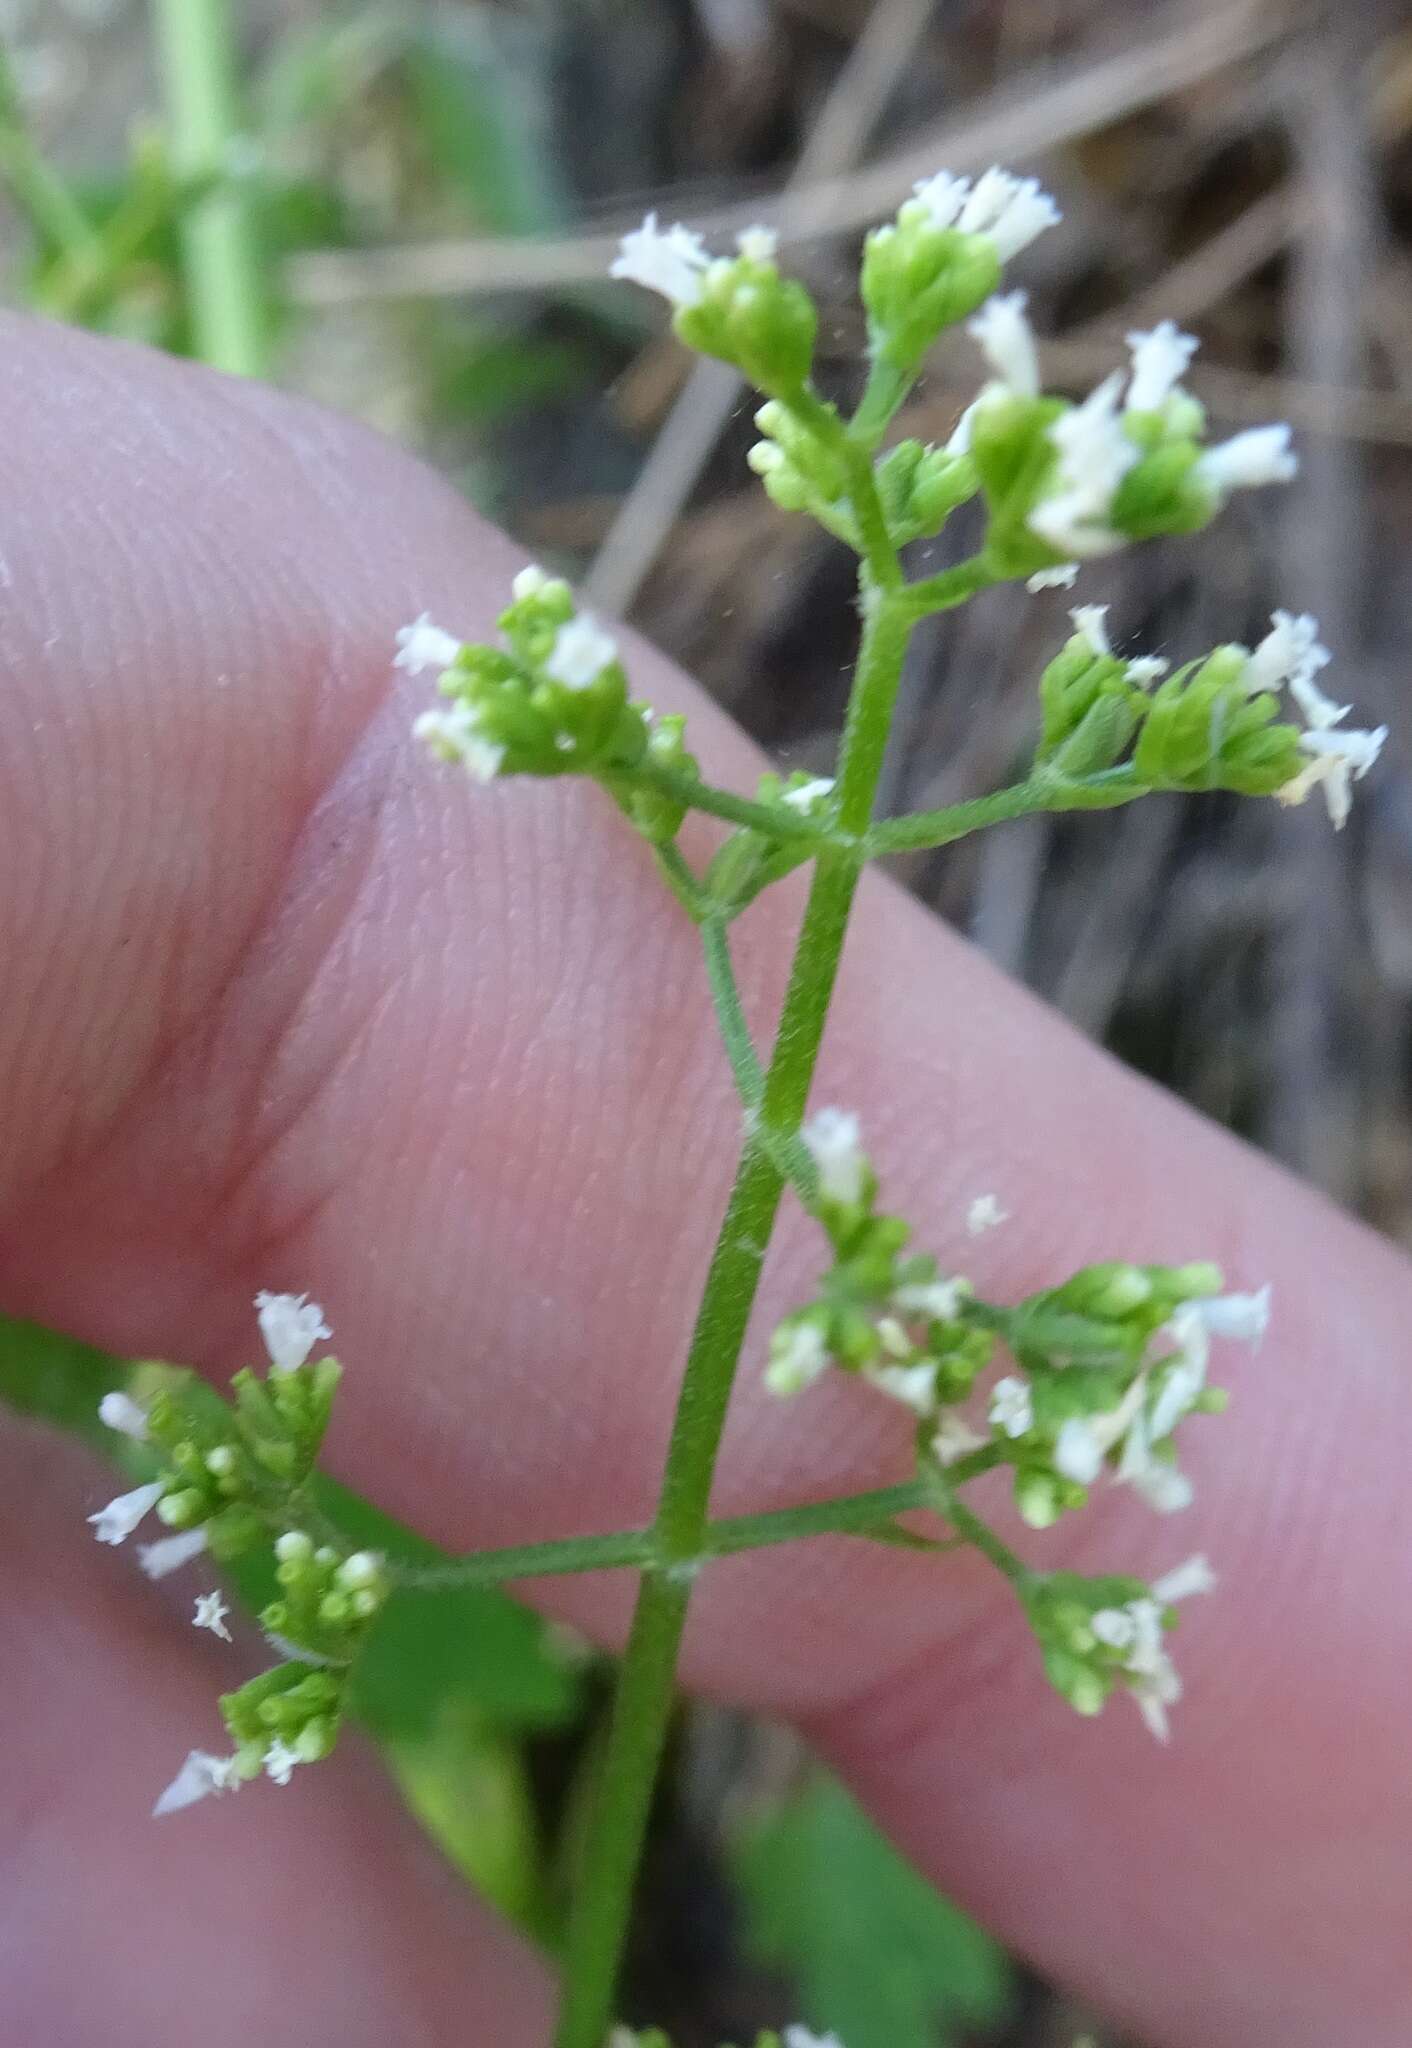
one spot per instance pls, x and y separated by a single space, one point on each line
878 1956
56 1379
480 124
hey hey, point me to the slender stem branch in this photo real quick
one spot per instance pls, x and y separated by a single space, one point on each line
789 1153
637 1731
923 829
854 1515
776 821
943 592
220 246
532 1561
975 1531
884 392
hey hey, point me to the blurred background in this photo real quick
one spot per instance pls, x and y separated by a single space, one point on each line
424 200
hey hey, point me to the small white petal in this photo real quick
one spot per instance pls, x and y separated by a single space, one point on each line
1337 760
913 1385
833 1139
809 794
800 2037
757 244
211 1612
1153 1708
1091 624
985 1213
960 442
201 1775
158 1560
1009 344
1242 1317
1184 1580
943 196
1063 577
422 646
280 1761
1115 1627
954 1440
1261 455
120 1412
1146 670
1160 362
1012 1406
1078 1453
939 1300
291 1326
671 261
798 1356
116 1522
1070 522
582 650
529 582
1029 212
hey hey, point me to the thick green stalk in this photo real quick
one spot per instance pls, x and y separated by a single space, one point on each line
638 1727
220 247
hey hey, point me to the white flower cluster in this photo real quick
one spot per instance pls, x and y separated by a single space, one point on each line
1290 656
1135 1632
290 1325
1012 211
1091 624
674 261
1095 452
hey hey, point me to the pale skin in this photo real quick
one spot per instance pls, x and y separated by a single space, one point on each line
288 1005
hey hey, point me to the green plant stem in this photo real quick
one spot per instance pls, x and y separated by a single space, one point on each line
220 246
884 392
1042 792
40 194
638 1726
786 1148
776 821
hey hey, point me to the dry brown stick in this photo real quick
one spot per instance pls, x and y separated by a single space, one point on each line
713 390
1031 115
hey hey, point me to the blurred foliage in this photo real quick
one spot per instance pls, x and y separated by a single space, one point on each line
879 1958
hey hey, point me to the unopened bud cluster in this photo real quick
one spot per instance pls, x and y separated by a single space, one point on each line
231 1478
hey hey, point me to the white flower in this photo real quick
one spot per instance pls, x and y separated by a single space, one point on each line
1091 624
809 795
960 442
1012 1406
671 261
291 1326
954 1440
985 1213
1184 1369
800 2037
1159 363
1337 760
757 244
1063 577
1261 455
455 734
200 1776
1084 1441
943 196
1166 1490
940 1300
582 650
158 1560
280 1761
1008 341
422 646
832 1136
119 1411
1242 1317
1195 1576
529 582
798 1356
1136 1632
116 1522
1094 457
211 1612
913 1385
1012 211
1146 669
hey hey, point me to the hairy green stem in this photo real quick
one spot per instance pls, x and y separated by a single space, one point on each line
776 821
220 246
1041 792
637 1730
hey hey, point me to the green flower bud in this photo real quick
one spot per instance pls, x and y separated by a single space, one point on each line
917 279
921 487
747 314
